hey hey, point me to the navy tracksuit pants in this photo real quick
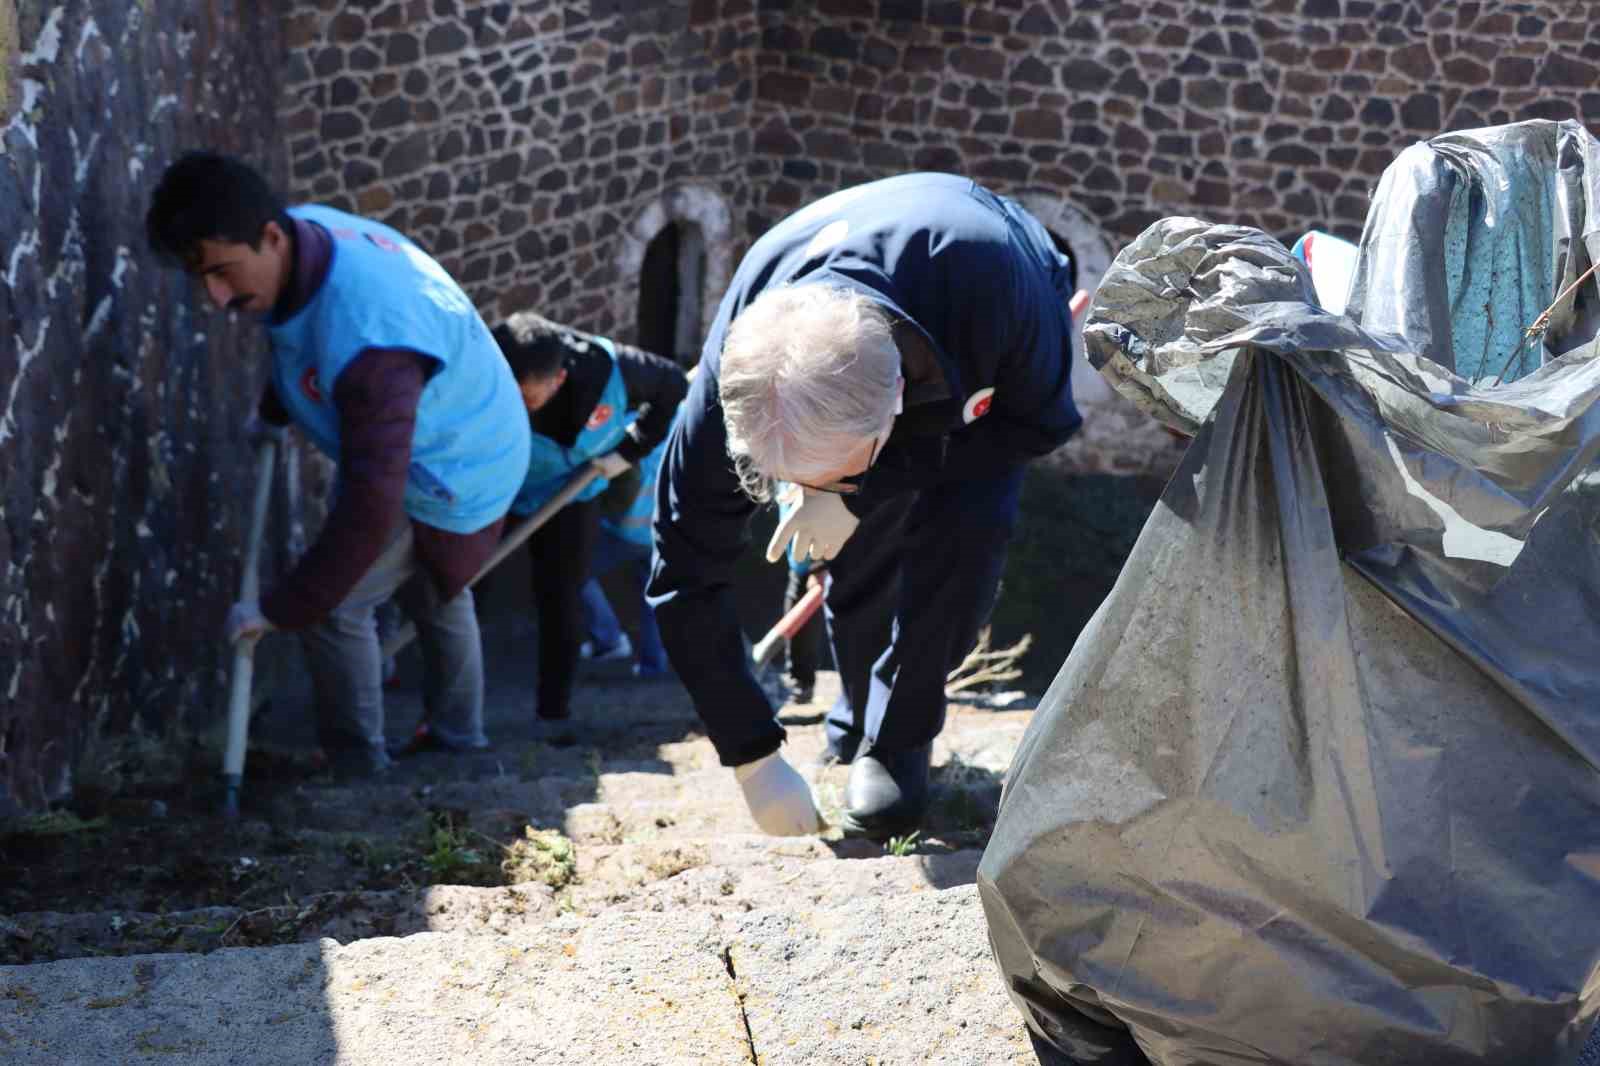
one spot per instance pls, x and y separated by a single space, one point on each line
907 597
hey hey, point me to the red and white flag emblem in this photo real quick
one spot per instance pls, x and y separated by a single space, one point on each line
977 405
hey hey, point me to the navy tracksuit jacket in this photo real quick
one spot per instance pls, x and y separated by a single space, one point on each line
978 296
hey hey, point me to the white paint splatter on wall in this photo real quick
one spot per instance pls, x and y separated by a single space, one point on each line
109 406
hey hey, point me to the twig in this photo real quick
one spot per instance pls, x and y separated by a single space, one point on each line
1541 323
981 678
984 665
222 941
304 908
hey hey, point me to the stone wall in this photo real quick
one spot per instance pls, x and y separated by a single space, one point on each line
1279 114
539 146
521 140
120 464
523 143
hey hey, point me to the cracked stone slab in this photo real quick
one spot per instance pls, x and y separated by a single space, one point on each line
623 988
901 980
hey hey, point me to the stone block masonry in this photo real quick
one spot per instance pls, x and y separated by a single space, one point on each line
1279 114
521 140
120 461
539 146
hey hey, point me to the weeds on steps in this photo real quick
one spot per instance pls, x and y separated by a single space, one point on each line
900 847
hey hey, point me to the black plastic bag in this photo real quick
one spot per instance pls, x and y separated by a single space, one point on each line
1318 784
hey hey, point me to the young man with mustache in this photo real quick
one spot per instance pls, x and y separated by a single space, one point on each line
383 362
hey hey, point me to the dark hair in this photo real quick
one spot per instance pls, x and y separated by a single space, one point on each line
206 196
537 347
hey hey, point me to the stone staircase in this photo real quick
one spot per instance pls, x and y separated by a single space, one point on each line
674 932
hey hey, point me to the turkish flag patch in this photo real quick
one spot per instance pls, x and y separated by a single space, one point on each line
977 405
311 386
599 417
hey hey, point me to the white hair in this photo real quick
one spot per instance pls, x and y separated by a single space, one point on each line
808 373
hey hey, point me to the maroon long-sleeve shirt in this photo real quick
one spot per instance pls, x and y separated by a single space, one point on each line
376 396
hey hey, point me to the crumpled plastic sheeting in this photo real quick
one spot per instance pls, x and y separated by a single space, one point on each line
1471 236
1318 784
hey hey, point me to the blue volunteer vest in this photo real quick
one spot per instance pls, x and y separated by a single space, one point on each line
550 464
470 445
634 525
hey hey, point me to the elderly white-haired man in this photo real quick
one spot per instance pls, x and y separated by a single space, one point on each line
890 356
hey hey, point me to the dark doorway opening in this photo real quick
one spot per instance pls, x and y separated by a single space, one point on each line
658 293
670 282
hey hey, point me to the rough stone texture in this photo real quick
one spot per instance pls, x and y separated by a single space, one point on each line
1239 113
803 880
539 146
527 143
724 874
345 917
625 988
899 981
559 122
811 985
120 461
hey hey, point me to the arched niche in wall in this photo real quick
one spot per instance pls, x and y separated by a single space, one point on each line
678 252
1080 237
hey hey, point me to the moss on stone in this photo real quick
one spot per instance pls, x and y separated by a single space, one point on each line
543 855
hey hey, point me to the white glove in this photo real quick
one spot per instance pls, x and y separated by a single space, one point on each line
612 465
778 797
819 526
246 622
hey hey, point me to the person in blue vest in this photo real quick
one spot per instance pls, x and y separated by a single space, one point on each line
625 541
800 655
896 351
382 361
587 399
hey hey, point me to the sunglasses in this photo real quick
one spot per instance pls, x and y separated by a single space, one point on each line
851 485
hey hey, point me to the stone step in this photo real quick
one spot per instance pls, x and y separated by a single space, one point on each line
731 877
626 808
658 825
543 781
345 916
901 980
725 874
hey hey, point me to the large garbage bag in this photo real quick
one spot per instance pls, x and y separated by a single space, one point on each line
1318 783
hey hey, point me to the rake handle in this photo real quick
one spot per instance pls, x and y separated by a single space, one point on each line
527 528
243 671
790 624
